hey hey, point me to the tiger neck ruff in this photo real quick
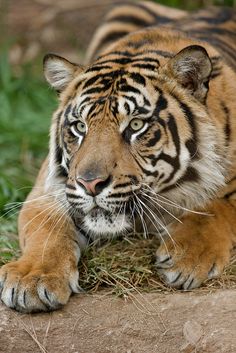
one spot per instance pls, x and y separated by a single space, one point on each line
143 140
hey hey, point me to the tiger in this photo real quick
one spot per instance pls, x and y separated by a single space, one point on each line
144 141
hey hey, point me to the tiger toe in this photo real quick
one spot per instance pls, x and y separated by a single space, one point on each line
35 290
188 267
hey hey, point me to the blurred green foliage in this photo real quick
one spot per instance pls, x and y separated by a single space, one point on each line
26 105
195 4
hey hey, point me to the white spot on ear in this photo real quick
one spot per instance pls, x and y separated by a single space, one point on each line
59 76
58 71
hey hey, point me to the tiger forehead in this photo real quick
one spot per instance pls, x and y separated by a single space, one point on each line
116 69
120 91
113 107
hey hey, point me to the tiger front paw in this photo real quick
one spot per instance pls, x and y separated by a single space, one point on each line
29 288
188 261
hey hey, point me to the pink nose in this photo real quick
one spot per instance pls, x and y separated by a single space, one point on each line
91 186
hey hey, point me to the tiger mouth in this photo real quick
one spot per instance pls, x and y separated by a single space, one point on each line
102 223
98 211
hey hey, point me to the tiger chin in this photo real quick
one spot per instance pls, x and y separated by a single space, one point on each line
143 140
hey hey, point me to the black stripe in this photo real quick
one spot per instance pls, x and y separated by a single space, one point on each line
192 148
138 78
113 36
91 81
215 59
85 100
75 111
161 103
127 108
122 61
165 54
65 144
133 178
119 53
227 128
138 109
57 134
69 186
127 134
68 110
98 68
220 17
232 179
140 43
191 175
93 90
111 75
214 30
128 88
121 194
130 19
174 161
145 66
158 19
152 142
147 172
61 171
91 110
215 74
227 52
131 99
191 144
133 55
72 196
142 111
96 113
146 59
121 185
229 194
58 154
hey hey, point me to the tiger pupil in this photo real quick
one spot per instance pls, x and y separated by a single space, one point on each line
136 124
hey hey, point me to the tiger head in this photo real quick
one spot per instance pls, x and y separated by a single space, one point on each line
131 132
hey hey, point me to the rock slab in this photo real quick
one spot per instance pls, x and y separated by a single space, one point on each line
144 323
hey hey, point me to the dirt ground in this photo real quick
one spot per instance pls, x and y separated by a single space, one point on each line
101 323
151 323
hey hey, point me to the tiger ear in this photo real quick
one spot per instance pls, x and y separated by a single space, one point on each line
192 67
59 72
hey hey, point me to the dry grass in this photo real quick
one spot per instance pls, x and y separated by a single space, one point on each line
123 266
128 265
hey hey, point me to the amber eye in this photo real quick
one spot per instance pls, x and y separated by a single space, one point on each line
136 124
79 128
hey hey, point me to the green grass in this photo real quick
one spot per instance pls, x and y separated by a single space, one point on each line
26 105
195 4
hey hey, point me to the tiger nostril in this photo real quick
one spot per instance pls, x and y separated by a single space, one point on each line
94 186
102 184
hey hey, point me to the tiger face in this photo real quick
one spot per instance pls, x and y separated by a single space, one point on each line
130 125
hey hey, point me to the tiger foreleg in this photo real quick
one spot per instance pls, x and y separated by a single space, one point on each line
46 274
200 247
